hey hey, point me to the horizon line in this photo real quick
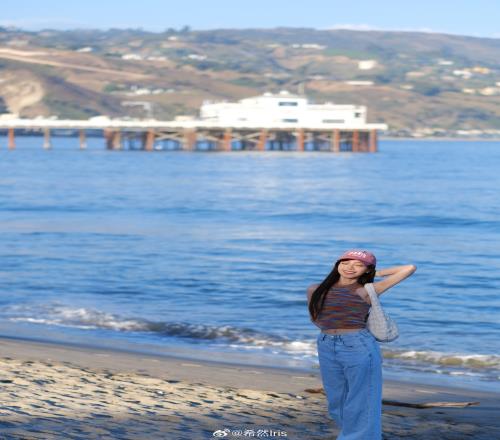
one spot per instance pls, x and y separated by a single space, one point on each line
350 28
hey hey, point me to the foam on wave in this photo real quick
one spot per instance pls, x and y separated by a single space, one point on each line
243 338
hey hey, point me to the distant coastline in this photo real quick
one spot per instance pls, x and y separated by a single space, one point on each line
408 80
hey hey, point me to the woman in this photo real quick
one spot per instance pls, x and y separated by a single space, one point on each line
349 356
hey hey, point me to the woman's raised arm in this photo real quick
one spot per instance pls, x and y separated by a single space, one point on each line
392 276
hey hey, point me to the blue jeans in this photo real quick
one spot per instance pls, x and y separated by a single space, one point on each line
351 371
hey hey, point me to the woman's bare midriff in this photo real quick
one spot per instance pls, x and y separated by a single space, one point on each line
341 331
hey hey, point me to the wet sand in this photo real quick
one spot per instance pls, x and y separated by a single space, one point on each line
53 391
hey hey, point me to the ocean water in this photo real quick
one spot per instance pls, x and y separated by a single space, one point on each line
208 255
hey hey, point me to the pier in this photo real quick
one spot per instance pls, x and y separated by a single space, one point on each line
280 122
150 137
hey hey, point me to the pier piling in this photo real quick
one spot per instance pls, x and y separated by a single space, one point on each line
227 140
47 144
189 141
373 141
83 140
261 144
108 138
335 145
12 139
355 141
149 141
116 142
300 139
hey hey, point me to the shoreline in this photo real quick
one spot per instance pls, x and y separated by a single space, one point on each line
46 386
89 356
31 349
248 360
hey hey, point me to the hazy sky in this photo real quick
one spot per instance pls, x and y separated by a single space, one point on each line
467 17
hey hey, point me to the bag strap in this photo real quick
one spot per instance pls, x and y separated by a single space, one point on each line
372 294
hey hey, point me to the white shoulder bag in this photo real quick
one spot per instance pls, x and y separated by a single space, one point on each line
380 325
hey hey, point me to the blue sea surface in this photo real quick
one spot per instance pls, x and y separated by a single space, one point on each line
209 254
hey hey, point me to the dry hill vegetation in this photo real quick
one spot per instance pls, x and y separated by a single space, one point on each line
408 80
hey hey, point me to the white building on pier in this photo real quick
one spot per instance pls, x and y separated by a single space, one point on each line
285 110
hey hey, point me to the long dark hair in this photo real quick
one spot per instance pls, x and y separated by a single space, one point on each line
319 295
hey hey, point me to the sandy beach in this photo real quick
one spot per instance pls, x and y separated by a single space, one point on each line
52 391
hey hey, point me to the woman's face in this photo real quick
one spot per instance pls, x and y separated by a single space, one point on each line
352 269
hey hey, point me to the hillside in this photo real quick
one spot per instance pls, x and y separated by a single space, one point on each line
411 81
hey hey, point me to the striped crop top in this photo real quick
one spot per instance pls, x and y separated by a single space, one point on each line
343 308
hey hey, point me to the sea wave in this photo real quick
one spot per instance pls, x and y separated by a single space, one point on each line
93 319
236 337
470 361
